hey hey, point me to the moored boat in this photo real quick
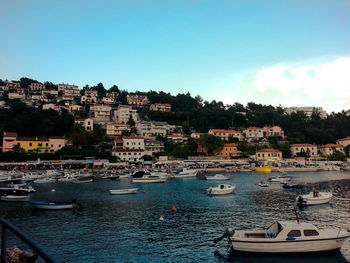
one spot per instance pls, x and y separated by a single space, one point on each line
217 177
53 205
280 179
186 173
314 198
146 177
124 191
15 198
263 184
286 237
262 169
221 189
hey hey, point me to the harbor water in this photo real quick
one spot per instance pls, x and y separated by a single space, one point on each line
129 228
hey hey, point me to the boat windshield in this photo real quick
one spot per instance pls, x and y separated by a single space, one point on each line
275 228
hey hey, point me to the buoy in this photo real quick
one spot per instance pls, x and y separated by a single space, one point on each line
173 208
53 190
161 218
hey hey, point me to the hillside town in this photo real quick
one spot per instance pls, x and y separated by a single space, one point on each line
134 139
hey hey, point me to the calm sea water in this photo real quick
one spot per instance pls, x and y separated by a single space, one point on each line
115 228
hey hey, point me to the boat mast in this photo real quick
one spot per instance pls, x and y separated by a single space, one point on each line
296 215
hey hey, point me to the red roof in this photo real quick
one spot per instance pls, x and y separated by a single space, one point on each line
129 150
230 145
330 145
344 139
32 139
133 137
223 131
268 150
10 134
303 144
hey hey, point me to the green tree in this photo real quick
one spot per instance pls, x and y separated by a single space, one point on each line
212 143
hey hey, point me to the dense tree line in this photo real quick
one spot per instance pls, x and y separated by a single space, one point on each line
34 122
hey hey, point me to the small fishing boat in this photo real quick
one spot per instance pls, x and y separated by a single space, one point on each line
146 177
45 180
262 169
53 205
314 198
221 189
263 184
286 237
280 179
186 173
217 177
124 191
15 198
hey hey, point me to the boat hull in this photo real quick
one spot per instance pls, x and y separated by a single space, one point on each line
149 180
123 191
53 206
15 198
294 246
221 192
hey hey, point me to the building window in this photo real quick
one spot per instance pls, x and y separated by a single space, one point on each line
47 144
30 144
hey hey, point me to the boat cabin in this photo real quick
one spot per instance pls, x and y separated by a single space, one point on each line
282 230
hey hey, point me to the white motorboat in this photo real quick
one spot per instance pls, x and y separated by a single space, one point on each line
280 179
124 191
286 237
144 177
44 180
263 184
221 189
217 177
186 173
314 198
15 198
45 205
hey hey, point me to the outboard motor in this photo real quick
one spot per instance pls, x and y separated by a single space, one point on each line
228 233
301 200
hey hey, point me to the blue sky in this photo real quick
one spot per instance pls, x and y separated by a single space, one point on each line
271 52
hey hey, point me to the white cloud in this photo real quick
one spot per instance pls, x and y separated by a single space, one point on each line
305 83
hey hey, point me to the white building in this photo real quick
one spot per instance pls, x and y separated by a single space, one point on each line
134 142
253 133
101 114
310 149
116 128
16 96
344 141
88 99
329 149
70 90
129 155
152 129
153 146
87 123
177 138
308 110
225 134
123 113
164 107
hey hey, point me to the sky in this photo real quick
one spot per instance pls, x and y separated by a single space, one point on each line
273 52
